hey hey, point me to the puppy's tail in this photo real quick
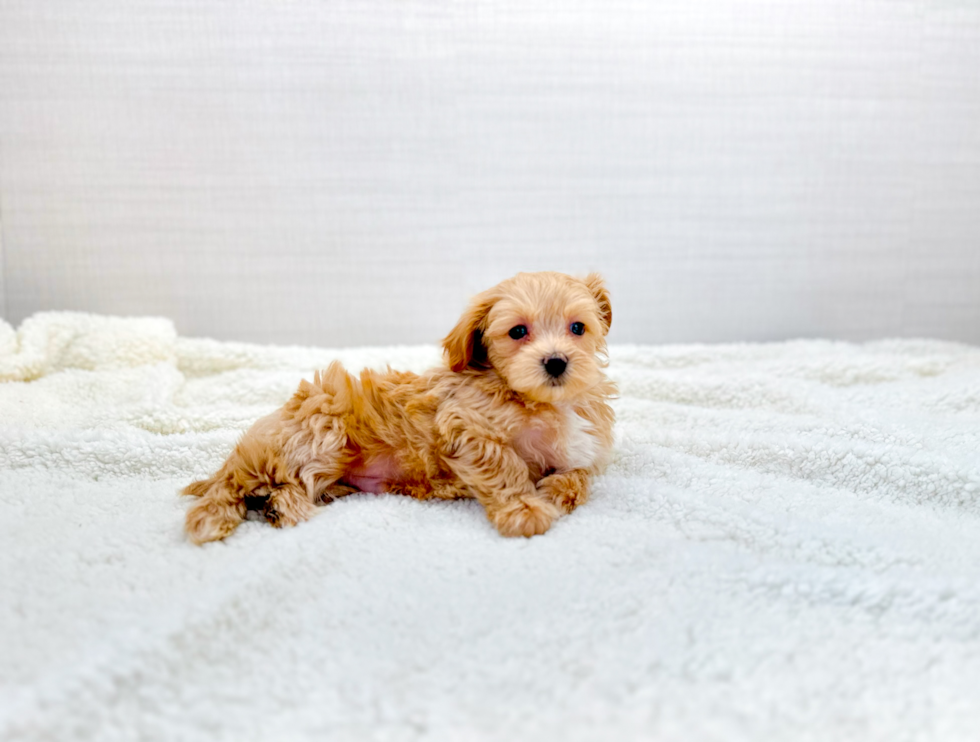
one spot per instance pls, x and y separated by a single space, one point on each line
332 393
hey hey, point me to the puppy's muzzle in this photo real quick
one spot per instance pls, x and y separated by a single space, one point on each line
555 366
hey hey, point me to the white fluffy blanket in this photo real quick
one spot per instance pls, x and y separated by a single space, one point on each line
786 546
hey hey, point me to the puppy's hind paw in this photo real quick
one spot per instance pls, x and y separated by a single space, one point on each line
287 506
524 516
211 521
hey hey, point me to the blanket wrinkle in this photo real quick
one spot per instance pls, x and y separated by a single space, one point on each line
784 547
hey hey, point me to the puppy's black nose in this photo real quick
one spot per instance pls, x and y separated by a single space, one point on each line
555 366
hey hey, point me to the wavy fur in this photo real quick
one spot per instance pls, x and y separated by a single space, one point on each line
493 424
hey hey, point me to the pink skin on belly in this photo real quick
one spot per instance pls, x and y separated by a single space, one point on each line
367 484
374 476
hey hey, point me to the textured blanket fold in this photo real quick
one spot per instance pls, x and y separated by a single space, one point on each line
786 546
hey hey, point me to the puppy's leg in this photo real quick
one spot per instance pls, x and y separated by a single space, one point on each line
567 489
501 481
296 500
287 505
336 491
292 458
219 510
255 468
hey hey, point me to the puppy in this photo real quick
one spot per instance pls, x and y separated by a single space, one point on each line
519 419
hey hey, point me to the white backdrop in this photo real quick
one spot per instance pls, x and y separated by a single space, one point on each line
347 173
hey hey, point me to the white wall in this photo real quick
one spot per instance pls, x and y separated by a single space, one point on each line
348 172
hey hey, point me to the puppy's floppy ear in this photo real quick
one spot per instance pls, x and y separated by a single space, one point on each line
597 287
464 343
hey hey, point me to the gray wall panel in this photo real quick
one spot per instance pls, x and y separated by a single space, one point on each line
347 173
3 283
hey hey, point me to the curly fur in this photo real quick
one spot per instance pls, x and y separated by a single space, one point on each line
493 424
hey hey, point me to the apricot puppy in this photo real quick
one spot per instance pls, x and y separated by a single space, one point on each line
518 419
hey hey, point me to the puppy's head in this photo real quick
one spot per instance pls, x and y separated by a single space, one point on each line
544 333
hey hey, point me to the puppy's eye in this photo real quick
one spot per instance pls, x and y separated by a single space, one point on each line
577 328
518 332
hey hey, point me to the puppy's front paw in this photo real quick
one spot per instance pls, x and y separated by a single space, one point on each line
567 490
208 520
524 516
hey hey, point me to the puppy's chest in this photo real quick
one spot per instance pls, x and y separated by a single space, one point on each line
560 440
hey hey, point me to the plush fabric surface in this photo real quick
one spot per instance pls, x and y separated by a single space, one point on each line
784 547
